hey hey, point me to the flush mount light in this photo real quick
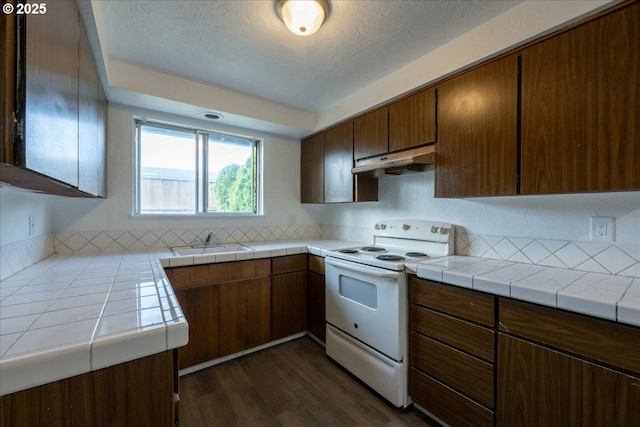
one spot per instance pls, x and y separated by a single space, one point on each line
212 115
302 17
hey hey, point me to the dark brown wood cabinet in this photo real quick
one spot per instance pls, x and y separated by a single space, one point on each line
201 308
451 352
316 321
412 120
57 142
561 368
325 169
92 121
245 314
136 393
227 306
288 295
371 134
476 153
338 161
312 169
581 108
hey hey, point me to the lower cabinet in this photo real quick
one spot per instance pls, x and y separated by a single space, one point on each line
245 314
227 306
557 368
316 323
201 308
536 366
542 387
288 295
136 393
451 352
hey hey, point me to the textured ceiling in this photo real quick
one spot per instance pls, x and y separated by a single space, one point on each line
243 46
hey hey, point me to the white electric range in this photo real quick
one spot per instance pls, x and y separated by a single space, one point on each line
367 301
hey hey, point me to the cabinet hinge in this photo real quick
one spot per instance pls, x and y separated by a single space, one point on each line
18 128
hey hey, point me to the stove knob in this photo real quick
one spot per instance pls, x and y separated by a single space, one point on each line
383 226
377 227
434 228
405 227
444 230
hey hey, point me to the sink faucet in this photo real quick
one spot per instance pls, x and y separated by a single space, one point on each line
207 241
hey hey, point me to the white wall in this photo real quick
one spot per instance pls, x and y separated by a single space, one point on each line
563 217
281 185
15 207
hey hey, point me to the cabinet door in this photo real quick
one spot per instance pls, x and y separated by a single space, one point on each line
245 314
288 304
315 306
51 106
91 142
581 108
201 308
338 161
312 170
476 153
7 86
541 387
412 121
371 134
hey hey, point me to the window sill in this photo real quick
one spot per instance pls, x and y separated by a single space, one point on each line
195 216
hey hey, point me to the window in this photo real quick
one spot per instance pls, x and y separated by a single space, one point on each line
185 171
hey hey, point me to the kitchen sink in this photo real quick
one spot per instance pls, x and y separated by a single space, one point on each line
209 249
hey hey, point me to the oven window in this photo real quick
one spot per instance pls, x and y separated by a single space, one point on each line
359 291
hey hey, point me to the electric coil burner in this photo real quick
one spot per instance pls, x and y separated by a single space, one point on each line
372 249
367 303
390 257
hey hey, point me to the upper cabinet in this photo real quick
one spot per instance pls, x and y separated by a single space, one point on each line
91 123
412 120
581 108
577 117
312 169
371 134
338 161
477 132
325 172
58 142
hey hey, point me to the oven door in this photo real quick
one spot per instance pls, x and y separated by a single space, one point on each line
368 303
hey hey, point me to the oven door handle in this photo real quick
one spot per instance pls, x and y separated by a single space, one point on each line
372 271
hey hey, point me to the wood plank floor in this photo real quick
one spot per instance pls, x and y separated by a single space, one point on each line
293 384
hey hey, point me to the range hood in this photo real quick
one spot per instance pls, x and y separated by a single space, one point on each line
414 160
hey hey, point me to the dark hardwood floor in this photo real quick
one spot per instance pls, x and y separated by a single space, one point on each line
293 384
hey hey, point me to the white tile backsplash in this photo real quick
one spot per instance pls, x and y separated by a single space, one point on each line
623 260
20 255
592 257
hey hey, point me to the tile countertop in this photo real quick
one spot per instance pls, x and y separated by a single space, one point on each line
606 296
71 314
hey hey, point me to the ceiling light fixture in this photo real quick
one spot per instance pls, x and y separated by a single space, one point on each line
303 17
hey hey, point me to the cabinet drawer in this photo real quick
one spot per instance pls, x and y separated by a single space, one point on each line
447 404
460 334
601 340
469 305
288 264
465 373
316 264
208 274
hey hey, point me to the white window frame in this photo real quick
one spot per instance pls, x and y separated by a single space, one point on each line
201 137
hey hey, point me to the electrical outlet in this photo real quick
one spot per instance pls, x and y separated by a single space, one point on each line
291 219
32 226
602 228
